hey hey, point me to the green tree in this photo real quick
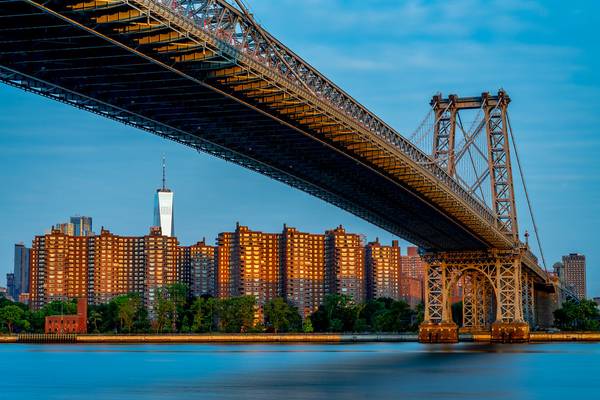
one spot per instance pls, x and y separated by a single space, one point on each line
11 315
178 293
94 318
395 317
59 308
577 316
127 309
418 317
308 327
204 313
281 316
237 314
165 311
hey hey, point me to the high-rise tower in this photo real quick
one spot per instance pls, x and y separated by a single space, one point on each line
82 225
163 207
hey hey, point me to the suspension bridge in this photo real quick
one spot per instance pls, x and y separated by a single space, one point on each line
203 73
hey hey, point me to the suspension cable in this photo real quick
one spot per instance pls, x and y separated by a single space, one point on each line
537 235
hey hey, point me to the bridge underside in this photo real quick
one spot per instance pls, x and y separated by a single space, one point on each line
45 54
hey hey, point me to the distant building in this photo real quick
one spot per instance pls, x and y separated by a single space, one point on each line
559 270
160 264
384 270
82 226
303 266
412 281
24 298
21 270
197 268
412 264
597 300
58 324
66 228
345 264
59 268
575 274
10 285
203 267
77 226
249 264
3 292
163 208
101 267
117 266
227 279
411 290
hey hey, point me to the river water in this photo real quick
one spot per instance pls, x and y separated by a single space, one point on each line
304 371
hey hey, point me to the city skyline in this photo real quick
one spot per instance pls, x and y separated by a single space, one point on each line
301 267
210 190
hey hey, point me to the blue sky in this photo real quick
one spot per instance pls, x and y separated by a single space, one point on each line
390 55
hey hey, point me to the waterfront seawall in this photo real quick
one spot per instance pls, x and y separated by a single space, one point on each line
207 338
535 337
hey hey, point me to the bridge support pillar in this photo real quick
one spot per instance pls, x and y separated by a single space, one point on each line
489 278
510 332
443 332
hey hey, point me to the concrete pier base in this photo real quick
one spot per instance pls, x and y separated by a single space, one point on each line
445 332
510 332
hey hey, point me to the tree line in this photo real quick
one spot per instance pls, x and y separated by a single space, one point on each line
176 311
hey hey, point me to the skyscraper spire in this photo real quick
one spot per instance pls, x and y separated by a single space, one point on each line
163 205
164 166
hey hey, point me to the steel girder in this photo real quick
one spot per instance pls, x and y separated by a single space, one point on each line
218 46
501 272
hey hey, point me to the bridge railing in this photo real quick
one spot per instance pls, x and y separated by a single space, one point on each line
233 27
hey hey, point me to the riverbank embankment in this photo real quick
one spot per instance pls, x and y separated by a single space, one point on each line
535 337
208 338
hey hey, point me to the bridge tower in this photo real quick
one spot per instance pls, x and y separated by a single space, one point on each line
497 292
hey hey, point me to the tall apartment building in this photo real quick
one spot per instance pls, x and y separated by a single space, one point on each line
227 280
345 264
384 270
197 268
59 268
413 271
303 269
249 264
411 290
117 266
100 267
412 264
575 274
160 259
21 270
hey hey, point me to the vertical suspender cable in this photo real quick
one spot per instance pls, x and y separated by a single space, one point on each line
537 235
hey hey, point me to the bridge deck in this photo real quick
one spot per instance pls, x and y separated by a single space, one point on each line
142 64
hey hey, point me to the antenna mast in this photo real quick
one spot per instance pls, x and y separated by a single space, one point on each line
164 176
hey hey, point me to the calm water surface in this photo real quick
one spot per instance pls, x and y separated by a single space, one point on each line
399 371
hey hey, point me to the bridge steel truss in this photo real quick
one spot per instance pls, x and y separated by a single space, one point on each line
498 293
499 169
204 74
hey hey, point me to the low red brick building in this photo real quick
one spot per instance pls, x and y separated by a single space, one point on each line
69 323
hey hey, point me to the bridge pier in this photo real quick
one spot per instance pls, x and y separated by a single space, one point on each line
494 289
443 332
510 332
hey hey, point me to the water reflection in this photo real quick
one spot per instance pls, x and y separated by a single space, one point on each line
406 371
